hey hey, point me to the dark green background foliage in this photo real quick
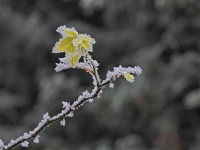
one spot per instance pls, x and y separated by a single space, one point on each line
159 111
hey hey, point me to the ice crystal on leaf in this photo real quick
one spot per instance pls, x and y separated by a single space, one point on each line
64 31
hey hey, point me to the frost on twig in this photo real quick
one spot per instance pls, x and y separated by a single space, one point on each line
75 46
1 145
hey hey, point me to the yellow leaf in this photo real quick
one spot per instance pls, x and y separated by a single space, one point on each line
73 61
65 45
83 42
70 32
129 77
70 49
77 41
86 45
88 39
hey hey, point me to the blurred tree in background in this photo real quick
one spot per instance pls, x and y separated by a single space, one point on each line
159 111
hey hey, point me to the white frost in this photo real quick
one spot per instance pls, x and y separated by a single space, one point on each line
36 140
111 85
46 116
25 144
62 122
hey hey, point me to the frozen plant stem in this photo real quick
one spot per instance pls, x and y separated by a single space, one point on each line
75 46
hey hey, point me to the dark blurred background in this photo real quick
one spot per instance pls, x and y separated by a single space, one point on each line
159 111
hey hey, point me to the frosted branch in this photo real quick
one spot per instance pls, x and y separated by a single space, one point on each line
80 49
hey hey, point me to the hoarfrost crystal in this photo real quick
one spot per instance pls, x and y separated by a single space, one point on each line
111 85
36 139
65 104
46 116
26 136
90 100
1 144
71 114
25 144
62 122
138 70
